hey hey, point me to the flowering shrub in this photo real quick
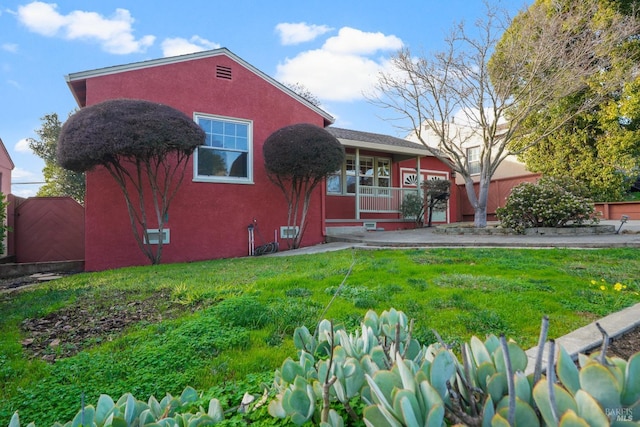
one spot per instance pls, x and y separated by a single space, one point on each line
550 202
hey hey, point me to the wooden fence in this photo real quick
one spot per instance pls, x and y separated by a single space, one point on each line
45 229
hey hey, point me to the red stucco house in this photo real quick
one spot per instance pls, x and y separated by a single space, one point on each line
241 106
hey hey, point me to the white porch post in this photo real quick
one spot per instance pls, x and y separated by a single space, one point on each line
357 171
418 177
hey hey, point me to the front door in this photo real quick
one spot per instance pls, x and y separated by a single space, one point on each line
410 180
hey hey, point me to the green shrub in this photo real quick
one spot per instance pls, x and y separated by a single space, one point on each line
550 202
413 207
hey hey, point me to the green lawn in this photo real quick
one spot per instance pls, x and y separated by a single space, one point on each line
222 326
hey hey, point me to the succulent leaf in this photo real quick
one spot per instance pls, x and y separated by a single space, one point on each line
571 419
564 401
567 371
215 410
488 412
435 417
497 386
525 415
189 395
499 421
15 420
485 371
378 416
479 351
517 356
130 410
406 405
600 382
631 391
106 406
589 409
442 369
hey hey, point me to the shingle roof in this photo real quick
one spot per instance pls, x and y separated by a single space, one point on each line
375 138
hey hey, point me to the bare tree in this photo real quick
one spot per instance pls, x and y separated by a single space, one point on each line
145 147
494 76
297 158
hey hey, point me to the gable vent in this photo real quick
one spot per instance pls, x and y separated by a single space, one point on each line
223 72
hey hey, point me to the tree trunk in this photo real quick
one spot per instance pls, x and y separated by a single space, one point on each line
478 201
480 212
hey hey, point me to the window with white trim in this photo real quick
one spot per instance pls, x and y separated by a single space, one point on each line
226 155
373 172
473 160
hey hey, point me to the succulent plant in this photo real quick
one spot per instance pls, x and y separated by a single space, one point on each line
405 384
130 412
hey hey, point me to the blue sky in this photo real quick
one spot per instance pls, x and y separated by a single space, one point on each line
335 48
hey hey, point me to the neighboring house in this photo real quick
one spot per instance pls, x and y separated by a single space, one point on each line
241 106
6 166
509 173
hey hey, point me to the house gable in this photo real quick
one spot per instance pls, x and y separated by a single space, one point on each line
77 82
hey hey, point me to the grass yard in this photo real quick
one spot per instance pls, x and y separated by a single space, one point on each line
224 326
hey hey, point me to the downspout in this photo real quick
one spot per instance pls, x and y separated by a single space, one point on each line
357 171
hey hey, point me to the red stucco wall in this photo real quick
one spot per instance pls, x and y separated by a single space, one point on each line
206 220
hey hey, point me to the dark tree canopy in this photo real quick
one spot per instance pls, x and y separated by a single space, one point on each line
112 130
145 147
297 158
302 150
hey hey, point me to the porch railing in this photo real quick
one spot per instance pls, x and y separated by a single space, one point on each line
383 199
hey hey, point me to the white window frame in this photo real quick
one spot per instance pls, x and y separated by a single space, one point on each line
343 175
473 160
226 179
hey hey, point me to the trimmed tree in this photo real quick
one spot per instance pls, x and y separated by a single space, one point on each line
297 158
145 147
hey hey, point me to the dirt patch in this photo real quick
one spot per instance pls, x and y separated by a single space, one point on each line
95 319
625 345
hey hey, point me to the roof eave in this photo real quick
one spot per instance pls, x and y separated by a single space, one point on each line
409 151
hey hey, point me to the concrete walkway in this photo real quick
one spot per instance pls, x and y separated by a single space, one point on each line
578 341
629 236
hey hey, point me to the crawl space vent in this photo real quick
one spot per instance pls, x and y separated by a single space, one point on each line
223 72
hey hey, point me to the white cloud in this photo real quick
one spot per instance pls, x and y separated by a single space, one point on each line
115 33
22 174
180 46
295 33
343 68
22 146
9 47
356 42
14 84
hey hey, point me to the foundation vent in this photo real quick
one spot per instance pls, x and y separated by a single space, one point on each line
155 236
369 226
